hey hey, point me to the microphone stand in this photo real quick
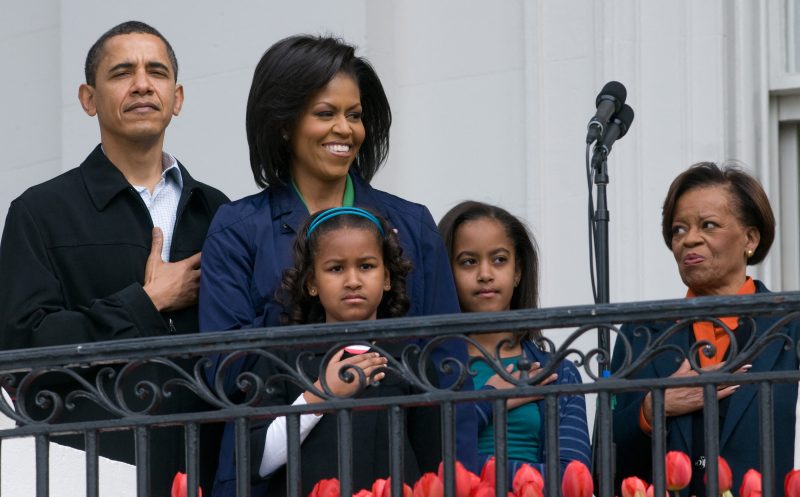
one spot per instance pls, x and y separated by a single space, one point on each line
603 446
601 218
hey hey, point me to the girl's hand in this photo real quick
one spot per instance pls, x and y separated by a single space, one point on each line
367 362
498 382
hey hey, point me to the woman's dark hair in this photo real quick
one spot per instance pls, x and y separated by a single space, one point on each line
286 77
301 307
526 294
751 205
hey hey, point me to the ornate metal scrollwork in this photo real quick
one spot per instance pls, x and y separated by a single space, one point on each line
225 382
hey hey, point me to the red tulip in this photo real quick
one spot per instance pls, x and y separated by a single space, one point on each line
474 480
634 487
429 486
651 490
326 488
724 476
363 493
488 472
383 488
577 480
179 486
751 484
791 484
529 489
483 490
528 482
466 480
377 487
679 470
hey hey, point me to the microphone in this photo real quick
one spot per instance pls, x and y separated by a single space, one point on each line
609 102
615 130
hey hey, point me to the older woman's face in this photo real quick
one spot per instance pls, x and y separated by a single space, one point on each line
709 242
329 133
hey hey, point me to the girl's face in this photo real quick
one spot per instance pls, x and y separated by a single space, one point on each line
329 132
484 266
349 275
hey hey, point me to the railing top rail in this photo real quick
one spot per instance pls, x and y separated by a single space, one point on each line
400 328
610 385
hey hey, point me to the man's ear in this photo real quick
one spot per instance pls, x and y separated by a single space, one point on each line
86 98
178 105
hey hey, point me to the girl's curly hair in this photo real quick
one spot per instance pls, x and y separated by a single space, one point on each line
302 308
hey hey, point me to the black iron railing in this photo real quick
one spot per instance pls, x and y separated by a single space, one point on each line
101 373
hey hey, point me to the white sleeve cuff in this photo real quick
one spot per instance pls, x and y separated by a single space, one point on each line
275 442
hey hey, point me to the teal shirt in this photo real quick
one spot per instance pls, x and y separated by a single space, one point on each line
523 421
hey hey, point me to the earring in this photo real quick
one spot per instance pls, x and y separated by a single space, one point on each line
387 287
749 253
285 136
312 291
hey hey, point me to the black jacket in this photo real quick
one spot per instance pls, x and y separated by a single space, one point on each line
72 262
739 440
370 429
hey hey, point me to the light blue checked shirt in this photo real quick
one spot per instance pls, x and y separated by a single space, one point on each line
163 202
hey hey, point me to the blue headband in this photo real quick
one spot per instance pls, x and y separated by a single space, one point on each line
338 211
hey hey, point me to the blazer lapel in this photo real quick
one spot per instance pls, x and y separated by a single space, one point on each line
668 362
665 365
745 395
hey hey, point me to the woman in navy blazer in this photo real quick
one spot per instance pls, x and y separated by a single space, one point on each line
716 220
318 129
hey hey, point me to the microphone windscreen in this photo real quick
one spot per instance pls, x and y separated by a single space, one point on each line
625 116
615 90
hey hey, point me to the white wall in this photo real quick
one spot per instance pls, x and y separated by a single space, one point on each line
30 128
490 101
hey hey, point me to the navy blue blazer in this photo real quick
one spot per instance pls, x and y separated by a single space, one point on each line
739 439
249 245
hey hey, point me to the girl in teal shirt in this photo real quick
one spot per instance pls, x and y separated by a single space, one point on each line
495 266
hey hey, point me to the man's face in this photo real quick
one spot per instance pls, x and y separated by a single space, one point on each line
135 94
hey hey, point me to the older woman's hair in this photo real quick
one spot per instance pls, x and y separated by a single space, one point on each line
289 73
751 205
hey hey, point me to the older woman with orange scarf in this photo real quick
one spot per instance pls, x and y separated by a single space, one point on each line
717 221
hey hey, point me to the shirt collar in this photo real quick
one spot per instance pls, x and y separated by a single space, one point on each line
347 198
748 288
285 202
104 181
171 171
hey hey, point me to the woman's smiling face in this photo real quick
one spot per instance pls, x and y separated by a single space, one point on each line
329 133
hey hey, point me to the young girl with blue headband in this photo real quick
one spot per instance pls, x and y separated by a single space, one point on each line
348 266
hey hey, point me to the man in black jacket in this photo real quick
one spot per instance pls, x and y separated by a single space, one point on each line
110 249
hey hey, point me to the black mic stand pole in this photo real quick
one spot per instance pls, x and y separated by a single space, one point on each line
603 451
601 218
